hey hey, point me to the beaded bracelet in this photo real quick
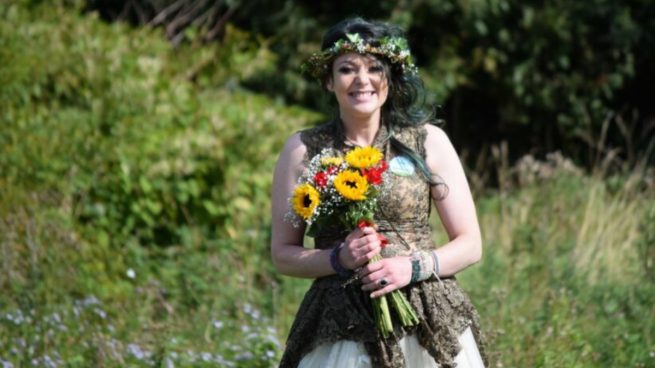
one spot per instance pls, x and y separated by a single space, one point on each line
435 264
416 267
426 266
421 267
334 262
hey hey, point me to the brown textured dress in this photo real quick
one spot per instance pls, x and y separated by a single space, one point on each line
331 312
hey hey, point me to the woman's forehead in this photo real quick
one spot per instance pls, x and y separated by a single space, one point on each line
355 58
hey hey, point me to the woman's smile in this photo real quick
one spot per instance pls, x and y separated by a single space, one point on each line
362 96
360 85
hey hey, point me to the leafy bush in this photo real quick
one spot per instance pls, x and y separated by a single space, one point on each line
138 174
134 204
543 76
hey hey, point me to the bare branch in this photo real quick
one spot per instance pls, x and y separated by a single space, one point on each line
181 21
163 15
220 25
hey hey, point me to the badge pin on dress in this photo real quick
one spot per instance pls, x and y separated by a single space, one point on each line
401 166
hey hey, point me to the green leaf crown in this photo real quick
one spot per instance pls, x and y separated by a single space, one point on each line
394 49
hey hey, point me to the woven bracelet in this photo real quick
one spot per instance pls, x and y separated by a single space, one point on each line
435 260
334 262
416 267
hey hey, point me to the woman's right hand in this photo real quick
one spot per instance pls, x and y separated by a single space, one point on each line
360 246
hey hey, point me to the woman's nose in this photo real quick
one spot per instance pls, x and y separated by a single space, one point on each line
363 76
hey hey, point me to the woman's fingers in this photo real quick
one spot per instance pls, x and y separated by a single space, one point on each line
366 252
369 269
361 245
375 281
360 232
385 276
384 290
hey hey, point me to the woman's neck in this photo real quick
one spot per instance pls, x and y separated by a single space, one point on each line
360 131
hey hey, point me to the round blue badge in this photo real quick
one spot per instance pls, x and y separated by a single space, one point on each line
401 166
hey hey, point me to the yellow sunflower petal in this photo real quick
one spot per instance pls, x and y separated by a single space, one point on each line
351 185
364 157
305 200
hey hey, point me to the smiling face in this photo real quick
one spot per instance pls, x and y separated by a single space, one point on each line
359 84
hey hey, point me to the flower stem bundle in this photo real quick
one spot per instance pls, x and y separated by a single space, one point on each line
398 301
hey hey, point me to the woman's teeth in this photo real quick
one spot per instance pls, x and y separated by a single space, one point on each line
360 94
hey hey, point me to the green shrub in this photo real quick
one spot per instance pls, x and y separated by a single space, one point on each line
134 215
137 175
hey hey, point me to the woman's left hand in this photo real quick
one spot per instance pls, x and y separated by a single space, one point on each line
386 275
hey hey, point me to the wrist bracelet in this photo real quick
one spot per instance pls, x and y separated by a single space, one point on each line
426 267
421 267
334 262
435 260
416 267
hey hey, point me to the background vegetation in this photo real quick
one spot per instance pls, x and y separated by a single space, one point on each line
542 76
135 167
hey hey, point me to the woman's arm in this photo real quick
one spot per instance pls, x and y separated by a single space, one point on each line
457 213
456 210
289 255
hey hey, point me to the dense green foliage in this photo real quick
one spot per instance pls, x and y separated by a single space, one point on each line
572 76
135 181
134 214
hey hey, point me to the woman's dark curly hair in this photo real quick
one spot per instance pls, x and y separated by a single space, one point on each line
406 105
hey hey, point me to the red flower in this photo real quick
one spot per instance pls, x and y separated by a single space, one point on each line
332 169
321 179
374 174
383 166
364 223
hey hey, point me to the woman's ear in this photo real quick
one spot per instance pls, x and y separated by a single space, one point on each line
328 85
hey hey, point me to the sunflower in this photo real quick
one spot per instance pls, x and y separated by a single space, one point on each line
363 157
351 185
331 161
305 200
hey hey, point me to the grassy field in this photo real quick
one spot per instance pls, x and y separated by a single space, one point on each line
566 281
135 225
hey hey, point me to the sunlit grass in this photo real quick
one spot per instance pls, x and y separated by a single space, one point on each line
100 159
561 284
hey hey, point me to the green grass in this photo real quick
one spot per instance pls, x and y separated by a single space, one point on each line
562 282
135 225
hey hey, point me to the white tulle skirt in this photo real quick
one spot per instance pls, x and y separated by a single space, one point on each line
351 354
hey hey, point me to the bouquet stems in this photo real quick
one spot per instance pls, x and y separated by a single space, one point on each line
399 303
405 310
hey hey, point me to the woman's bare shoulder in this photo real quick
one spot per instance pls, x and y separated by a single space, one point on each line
439 150
435 134
294 150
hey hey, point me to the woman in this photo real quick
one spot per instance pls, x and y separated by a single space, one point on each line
368 68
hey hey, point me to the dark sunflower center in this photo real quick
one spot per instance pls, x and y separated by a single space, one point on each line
351 184
306 201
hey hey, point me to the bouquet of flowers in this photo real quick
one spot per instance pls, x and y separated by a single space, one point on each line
345 189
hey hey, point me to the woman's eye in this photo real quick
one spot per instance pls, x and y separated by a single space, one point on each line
345 70
376 69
